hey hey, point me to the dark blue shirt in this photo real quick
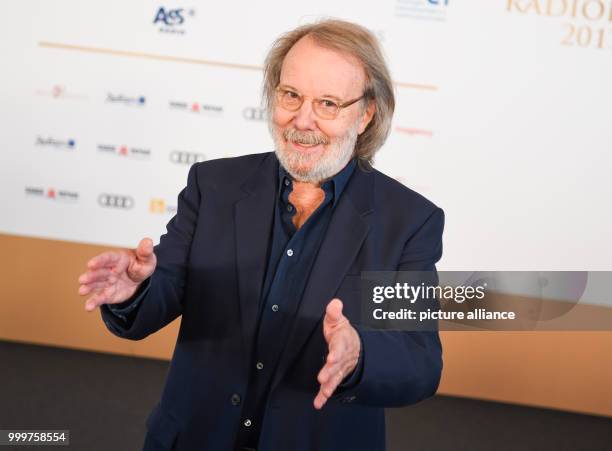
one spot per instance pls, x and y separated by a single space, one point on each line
292 254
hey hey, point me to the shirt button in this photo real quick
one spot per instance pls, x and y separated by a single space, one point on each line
247 422
289 252
259 366
290 207
275 308
235 399
287 182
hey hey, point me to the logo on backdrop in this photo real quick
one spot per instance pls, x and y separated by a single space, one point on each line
254 113
184 157
119 201
159 206
584 23
415 132
429 10
196 108
139 153
172 21
68 144
60 92
126 100
53 194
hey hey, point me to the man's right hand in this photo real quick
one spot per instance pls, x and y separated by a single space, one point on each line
114 276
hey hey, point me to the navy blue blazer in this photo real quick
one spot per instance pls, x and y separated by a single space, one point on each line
210 269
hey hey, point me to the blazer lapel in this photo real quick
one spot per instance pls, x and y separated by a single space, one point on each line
347 230
253 216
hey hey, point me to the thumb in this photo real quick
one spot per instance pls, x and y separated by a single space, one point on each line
144 249
333 313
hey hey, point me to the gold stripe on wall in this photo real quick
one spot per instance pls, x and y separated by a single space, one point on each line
181 59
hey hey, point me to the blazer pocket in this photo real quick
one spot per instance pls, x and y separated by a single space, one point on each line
162 428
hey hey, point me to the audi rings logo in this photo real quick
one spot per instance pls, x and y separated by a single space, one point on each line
254 114
115 201
182 157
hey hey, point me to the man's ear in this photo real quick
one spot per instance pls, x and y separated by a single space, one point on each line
367 116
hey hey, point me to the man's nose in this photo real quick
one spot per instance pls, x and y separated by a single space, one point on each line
305 117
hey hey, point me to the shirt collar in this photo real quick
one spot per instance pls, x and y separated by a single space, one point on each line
334 185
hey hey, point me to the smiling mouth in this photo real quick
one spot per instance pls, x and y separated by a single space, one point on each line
303 147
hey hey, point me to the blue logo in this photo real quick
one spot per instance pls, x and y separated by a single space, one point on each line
125 99
172 20
169 17
48 141
428 10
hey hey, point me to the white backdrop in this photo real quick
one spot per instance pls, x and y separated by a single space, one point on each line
503 116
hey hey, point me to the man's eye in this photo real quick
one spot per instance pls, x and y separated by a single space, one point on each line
328 103
292 95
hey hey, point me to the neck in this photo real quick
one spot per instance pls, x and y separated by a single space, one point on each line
307 191
306 198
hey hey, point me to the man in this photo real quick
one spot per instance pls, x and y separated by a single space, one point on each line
263 262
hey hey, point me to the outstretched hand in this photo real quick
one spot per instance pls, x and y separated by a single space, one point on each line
344 347
114 276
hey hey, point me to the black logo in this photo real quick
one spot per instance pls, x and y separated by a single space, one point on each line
182 157
115 201
254 114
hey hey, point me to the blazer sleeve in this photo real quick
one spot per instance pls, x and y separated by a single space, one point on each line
160 302
403 367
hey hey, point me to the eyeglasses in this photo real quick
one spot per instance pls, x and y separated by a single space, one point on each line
324 108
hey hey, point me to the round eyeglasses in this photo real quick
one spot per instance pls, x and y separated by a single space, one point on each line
325 108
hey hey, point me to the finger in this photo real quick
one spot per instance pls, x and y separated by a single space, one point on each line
327 390
327 371
94 276
320 400
106 259
94 286
330 386
144 249
337 347
335 357
86 289
94 301
333 316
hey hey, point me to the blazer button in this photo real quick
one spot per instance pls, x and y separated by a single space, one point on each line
235 399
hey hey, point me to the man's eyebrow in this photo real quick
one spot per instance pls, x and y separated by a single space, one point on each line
288 87
324 96
331 96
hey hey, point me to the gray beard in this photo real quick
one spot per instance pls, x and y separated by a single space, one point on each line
329 164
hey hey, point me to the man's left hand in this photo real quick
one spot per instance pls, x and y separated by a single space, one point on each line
344 346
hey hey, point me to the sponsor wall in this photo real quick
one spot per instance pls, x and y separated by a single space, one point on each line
502 116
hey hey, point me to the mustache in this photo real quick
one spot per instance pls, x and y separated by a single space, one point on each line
307 138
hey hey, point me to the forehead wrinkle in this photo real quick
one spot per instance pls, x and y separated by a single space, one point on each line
304 62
